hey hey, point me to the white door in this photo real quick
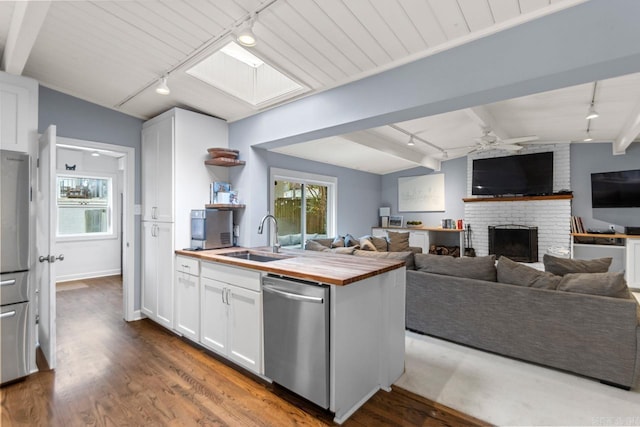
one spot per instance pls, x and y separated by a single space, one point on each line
213 315
245 327
46 215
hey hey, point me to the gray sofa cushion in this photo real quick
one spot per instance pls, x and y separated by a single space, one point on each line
522 275
380 243
342 251
398 242
338 242
562 266
349 241
407 256
481 268
605 284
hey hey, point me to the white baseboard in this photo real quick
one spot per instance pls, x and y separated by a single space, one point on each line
91 275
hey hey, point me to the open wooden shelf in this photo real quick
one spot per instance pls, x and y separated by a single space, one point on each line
518 198
224 161
224 206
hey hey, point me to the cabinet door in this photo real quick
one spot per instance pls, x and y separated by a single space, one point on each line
419 239
633 263
379 232
14 115
165 259
187 305
213 315
245 328
149 304
158 171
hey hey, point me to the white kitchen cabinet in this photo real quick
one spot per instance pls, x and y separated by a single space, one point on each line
18 112
633 262
174 181
157 272
231 314
419 239
187 297
157 171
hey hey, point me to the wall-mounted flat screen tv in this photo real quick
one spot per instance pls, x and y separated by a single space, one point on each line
615 189
525 174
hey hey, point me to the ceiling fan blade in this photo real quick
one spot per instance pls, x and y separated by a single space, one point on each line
520 139
510 147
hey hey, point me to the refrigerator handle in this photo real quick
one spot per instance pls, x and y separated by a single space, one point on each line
8 282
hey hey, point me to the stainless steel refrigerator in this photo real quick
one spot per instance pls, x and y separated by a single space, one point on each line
14 264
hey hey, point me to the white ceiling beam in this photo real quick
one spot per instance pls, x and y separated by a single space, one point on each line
372 140
629 132
483 118
27 19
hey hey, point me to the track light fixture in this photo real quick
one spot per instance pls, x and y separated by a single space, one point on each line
592 113
588 137
411 143
246 36
162 87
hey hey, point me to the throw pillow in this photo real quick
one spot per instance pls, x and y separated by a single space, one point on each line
380 243
605 284
338 242
343 251
407 257
514 273
562 266
481 268
349 241
398 242
367 245
312 245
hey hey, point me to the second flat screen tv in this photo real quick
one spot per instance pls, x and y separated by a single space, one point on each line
526 174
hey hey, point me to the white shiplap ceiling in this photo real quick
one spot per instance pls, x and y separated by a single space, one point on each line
112 53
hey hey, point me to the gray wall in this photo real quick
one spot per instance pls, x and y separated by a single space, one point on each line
75 118
587 159
455 187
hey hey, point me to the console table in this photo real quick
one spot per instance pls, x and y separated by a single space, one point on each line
422 237
623 248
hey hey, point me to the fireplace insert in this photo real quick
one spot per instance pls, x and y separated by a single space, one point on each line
516 242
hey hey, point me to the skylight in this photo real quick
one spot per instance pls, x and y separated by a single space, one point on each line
240 73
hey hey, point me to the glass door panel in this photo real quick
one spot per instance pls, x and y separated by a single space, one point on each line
287 210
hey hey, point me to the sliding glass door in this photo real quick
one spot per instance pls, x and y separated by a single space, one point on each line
304 206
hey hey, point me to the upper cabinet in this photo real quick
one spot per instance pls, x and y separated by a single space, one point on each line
18 112
174 147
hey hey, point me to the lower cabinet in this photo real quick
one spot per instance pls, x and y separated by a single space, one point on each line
157 272
187 298
231 314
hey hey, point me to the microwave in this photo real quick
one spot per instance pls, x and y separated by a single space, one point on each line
211 229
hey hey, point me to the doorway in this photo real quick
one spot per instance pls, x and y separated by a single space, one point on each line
123 218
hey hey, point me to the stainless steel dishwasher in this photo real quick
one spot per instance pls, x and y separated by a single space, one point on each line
296 336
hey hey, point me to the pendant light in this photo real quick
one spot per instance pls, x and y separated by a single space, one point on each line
411 143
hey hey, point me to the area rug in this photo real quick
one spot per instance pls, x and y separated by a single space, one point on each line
504 391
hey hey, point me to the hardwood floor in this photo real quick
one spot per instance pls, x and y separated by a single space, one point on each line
114 373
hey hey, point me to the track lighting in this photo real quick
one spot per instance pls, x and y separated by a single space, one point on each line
411 143
246 37
162 87
592 113
588 137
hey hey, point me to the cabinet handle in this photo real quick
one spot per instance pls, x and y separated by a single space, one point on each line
228 293
224 291
8 314
8 282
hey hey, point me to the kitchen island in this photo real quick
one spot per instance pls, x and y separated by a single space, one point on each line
366 313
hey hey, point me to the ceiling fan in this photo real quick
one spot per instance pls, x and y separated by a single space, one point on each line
490 141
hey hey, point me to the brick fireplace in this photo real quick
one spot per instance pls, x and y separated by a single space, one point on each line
552 217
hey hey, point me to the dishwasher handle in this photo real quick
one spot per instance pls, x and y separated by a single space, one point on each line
293 296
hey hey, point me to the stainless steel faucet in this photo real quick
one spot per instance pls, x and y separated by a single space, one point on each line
276 246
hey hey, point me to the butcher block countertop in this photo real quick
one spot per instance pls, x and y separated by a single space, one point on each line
314 266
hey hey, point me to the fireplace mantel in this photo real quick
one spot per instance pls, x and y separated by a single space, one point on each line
518 198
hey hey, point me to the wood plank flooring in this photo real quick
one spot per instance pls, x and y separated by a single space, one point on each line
114 373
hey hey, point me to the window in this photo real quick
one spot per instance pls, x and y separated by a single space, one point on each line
84 206
304 205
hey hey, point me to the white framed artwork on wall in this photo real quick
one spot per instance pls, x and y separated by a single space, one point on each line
424 193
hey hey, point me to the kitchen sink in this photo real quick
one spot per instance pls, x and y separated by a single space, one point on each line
254 256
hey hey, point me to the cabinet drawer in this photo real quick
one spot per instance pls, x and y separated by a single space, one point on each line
249 279
188 265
